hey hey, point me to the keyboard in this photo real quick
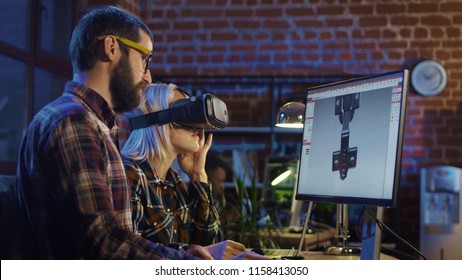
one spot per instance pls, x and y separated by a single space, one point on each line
276 253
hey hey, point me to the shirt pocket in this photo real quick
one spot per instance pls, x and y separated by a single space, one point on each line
158 225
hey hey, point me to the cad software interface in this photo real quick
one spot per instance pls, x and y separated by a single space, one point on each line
350 139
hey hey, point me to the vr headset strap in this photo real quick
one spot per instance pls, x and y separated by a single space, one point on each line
159 117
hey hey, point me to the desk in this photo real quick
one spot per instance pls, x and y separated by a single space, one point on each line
287 240
316 255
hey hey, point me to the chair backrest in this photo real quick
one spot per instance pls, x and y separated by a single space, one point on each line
15 236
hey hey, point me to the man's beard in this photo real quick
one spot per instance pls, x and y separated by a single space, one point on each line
124 92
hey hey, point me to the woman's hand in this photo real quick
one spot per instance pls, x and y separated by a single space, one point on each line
194 164
225 250
232 250
200 252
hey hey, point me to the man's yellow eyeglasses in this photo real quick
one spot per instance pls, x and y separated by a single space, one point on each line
133 45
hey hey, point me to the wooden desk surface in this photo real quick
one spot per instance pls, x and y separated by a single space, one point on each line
316 255
287 240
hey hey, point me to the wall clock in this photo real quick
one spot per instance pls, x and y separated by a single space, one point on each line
429 78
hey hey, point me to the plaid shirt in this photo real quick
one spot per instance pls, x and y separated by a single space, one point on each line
170 212
74 186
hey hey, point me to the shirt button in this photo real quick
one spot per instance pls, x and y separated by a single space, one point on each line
165 187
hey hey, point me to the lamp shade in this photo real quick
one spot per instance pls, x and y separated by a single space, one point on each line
291 115
280 176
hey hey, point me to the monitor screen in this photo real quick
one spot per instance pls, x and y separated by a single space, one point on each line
352 140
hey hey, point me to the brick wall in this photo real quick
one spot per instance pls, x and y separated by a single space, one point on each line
134 6
324 37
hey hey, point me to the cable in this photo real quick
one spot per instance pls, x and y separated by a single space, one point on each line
358 230
400 255
383 226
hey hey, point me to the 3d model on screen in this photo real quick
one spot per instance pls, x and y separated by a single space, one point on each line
344 159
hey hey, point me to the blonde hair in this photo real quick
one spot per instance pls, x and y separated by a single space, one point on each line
152 141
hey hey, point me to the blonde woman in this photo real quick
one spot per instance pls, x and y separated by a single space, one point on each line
166 209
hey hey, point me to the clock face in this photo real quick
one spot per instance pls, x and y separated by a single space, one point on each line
429 78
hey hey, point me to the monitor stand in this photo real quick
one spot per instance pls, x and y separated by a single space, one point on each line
343 234
372 234
305 227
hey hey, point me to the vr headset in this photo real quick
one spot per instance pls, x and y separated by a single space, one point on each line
204 111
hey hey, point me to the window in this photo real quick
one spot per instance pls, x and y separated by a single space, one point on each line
13 106
15 19
34 40
55 27
47 86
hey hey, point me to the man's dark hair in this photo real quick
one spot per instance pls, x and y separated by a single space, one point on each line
104 20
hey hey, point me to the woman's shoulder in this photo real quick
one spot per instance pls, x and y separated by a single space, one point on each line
130 163
135 173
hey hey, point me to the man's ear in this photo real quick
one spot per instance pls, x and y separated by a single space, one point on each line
108 48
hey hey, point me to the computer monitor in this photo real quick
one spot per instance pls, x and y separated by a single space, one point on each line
352 141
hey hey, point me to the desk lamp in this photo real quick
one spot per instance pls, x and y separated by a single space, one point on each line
291 115
281 175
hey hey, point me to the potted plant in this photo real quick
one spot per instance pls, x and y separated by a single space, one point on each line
243 222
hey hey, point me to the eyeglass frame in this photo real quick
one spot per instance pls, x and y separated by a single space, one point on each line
129 43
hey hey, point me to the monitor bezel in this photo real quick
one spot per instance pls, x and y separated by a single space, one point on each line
385 202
